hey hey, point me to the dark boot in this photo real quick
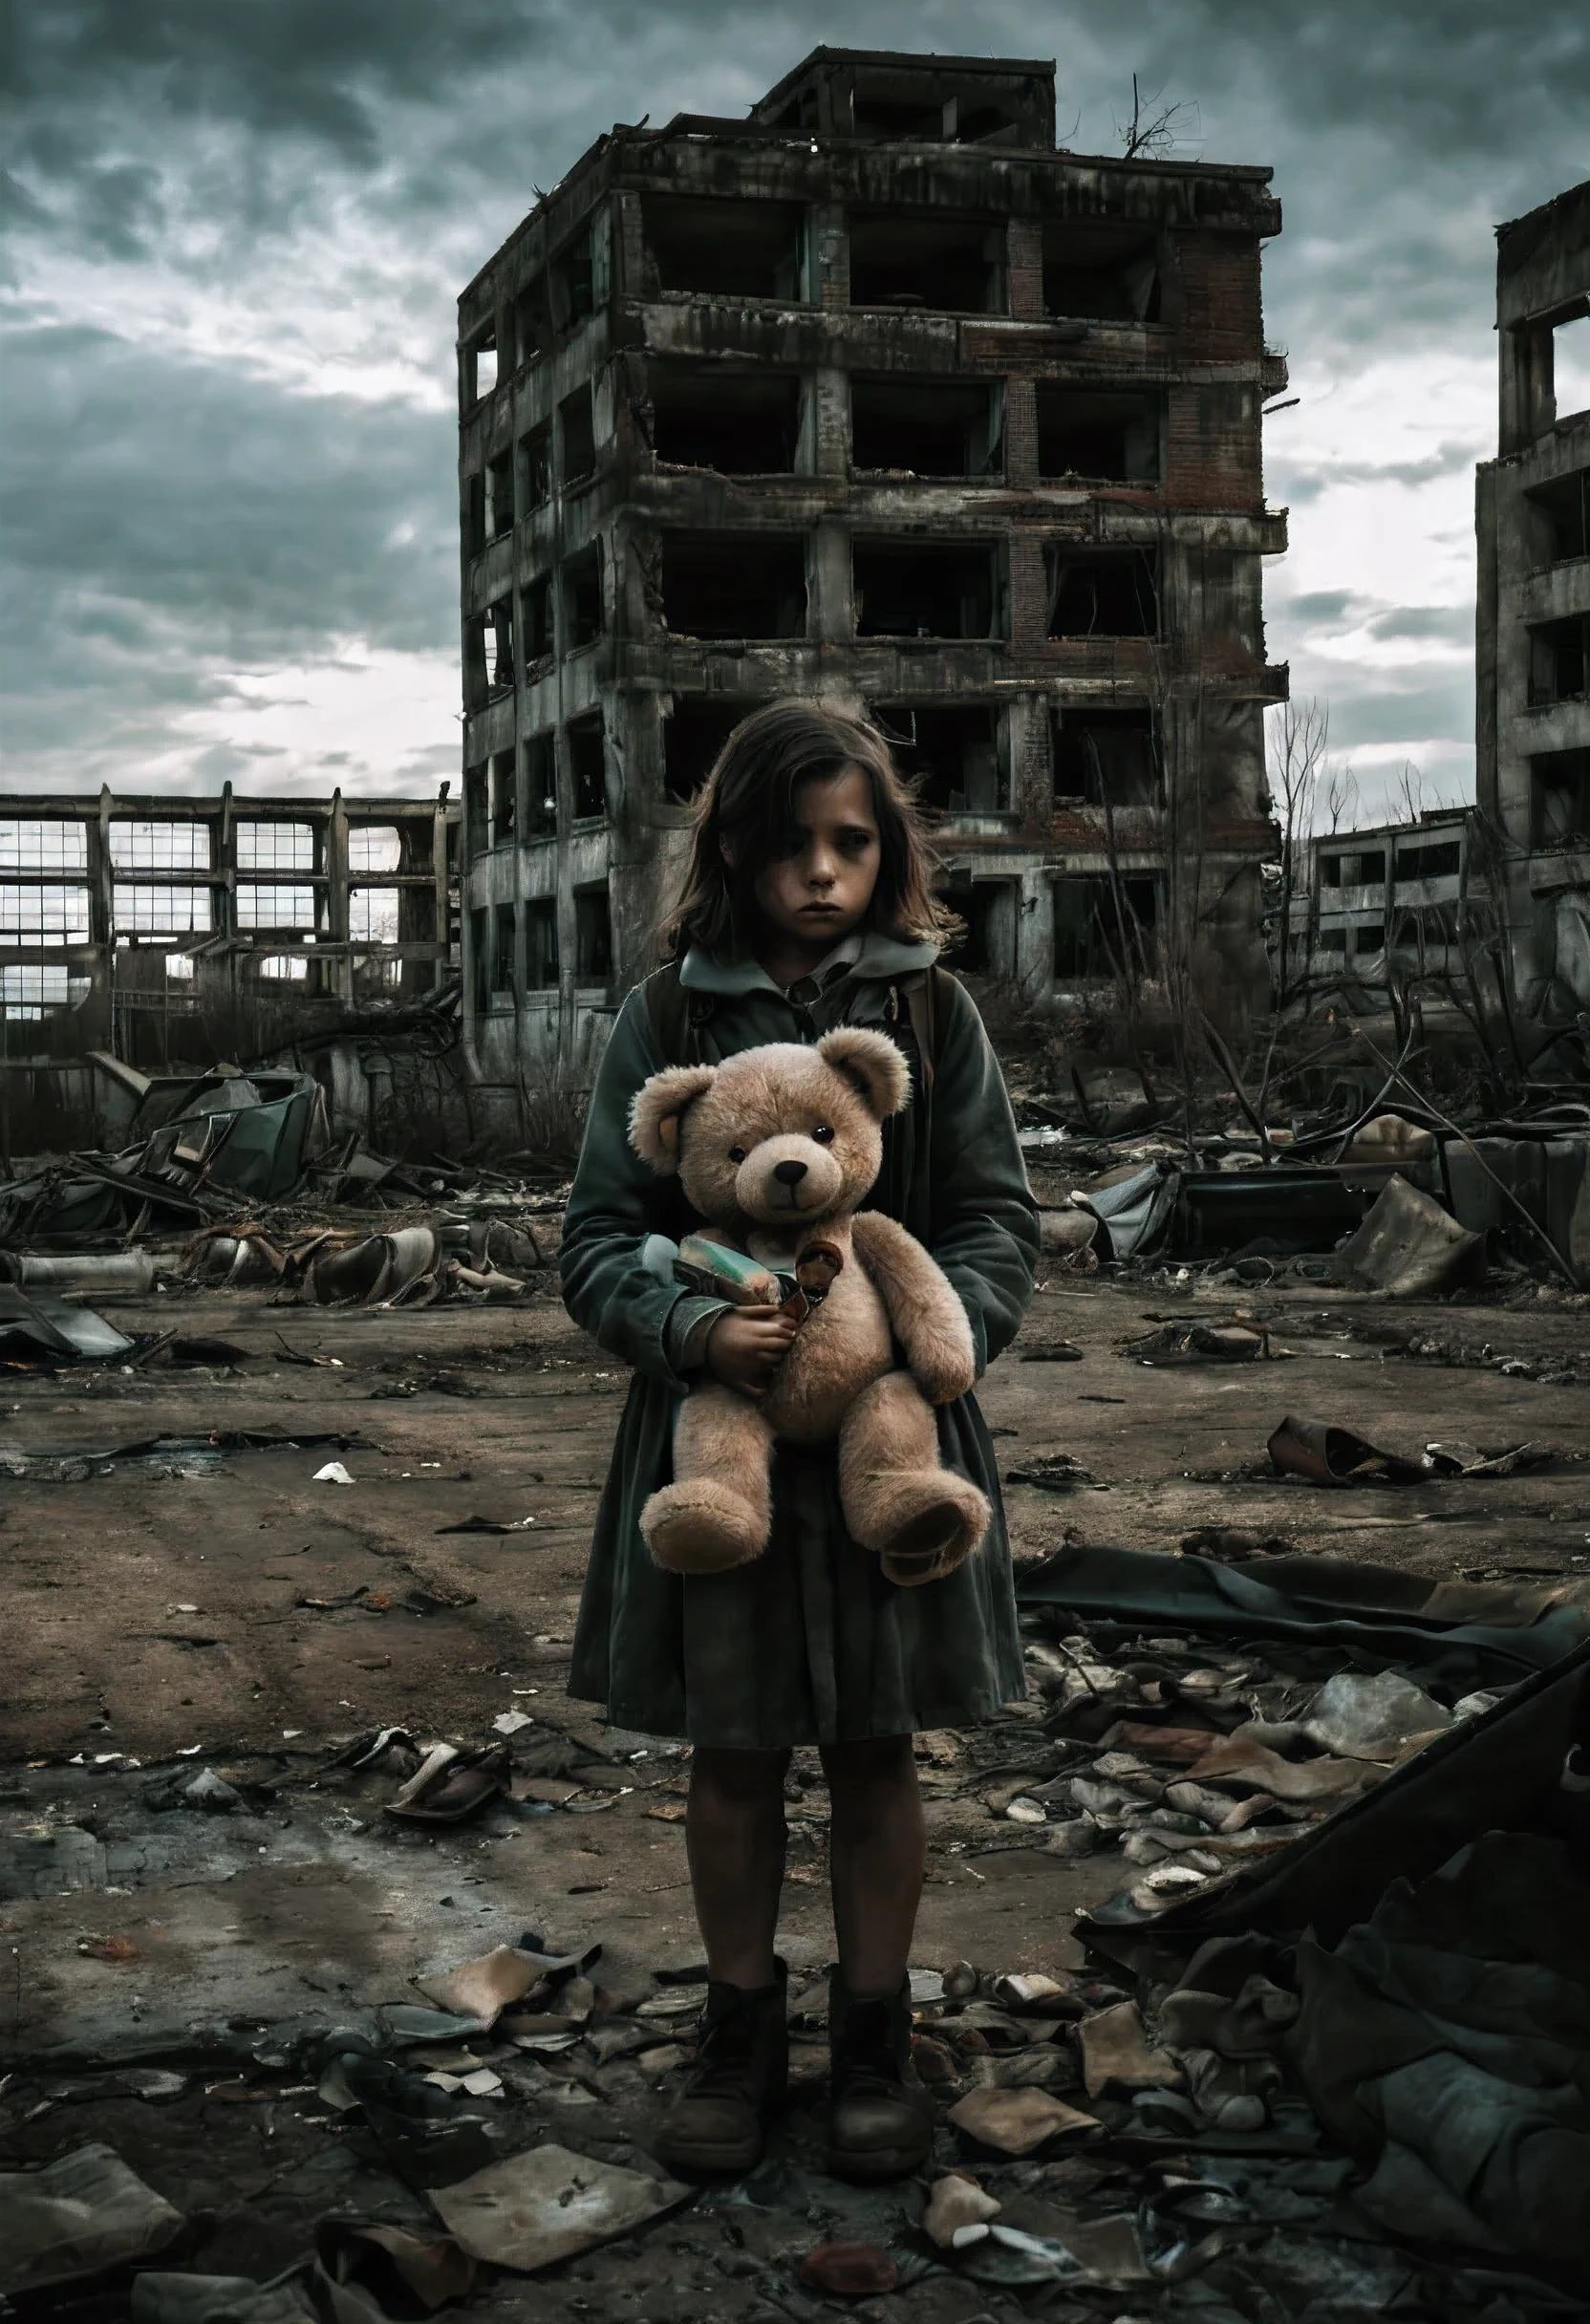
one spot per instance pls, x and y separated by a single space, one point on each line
741 2074
881 2118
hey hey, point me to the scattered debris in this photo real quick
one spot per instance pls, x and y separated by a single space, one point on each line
77 2217
536 2208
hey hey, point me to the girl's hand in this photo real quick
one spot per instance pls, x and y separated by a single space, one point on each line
746 1347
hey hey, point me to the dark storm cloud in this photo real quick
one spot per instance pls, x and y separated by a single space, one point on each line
194 522
180 511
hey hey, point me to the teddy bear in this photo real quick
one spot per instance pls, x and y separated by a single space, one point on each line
776 1149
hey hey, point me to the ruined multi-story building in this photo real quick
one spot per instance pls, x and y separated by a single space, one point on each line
1533 622
875 397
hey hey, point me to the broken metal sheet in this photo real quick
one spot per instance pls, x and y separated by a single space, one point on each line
376 1272
40 1325
131 1272
84 2213
539 2207
1132 1207
1327 1454
1466 1636
1365 1715
1410 1248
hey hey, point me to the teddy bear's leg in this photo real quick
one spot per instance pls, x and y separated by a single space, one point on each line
718 1511
922 1519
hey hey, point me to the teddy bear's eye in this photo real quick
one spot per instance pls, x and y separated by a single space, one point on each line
737 1153
823 1133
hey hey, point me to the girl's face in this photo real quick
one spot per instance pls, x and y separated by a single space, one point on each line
823 890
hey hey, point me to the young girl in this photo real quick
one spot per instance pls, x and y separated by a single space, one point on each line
808 904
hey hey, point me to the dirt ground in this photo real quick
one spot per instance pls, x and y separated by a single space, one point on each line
201 1605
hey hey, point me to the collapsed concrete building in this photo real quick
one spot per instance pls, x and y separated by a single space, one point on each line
1533 621
157 934
880 398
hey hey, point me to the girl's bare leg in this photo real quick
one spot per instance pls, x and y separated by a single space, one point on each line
877 1853
734 1841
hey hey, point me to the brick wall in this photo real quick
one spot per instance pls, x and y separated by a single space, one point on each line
1222 318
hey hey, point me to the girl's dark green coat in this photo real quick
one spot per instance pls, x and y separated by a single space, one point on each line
809 1644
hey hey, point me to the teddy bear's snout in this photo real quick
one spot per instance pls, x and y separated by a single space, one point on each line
788 1173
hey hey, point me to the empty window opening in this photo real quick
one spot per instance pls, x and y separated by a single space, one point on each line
728 249
588 767
1105 758
1571 365
1430 928
582 597
274 847
1369 939
535 466
499 645
950 752
480 366
577 420
1106 272
541 787
532 321
734 585
693 735
739 426
927 431
593 936
1105 928
30 987
952 265
1113 435
374 846
274 907
878 114
924 590
1559 514
1331 939
179 967
479 957
29 846
1560 795
1104 592
572 279
477 809
1440 859
498 496
501 799
373 916
161 911
507 922
541 945
1558 655
1365 870
43 915
285 968
982 907
537 602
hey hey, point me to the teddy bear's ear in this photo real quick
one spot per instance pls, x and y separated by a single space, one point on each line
658 1109
870 1063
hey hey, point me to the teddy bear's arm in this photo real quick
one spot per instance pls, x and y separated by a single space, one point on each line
924 1313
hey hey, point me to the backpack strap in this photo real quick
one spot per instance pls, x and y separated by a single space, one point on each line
674 1015
928 1004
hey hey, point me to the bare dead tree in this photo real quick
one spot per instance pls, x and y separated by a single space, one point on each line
1343 799
1155 128
1304 733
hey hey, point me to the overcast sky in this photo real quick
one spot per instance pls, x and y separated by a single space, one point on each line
238 229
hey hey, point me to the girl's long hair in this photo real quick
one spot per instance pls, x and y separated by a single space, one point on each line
748 801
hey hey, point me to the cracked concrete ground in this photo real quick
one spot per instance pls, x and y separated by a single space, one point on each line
182 1608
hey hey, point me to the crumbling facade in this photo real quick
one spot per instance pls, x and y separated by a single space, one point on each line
874 396
164 933
1532 623
1395 902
